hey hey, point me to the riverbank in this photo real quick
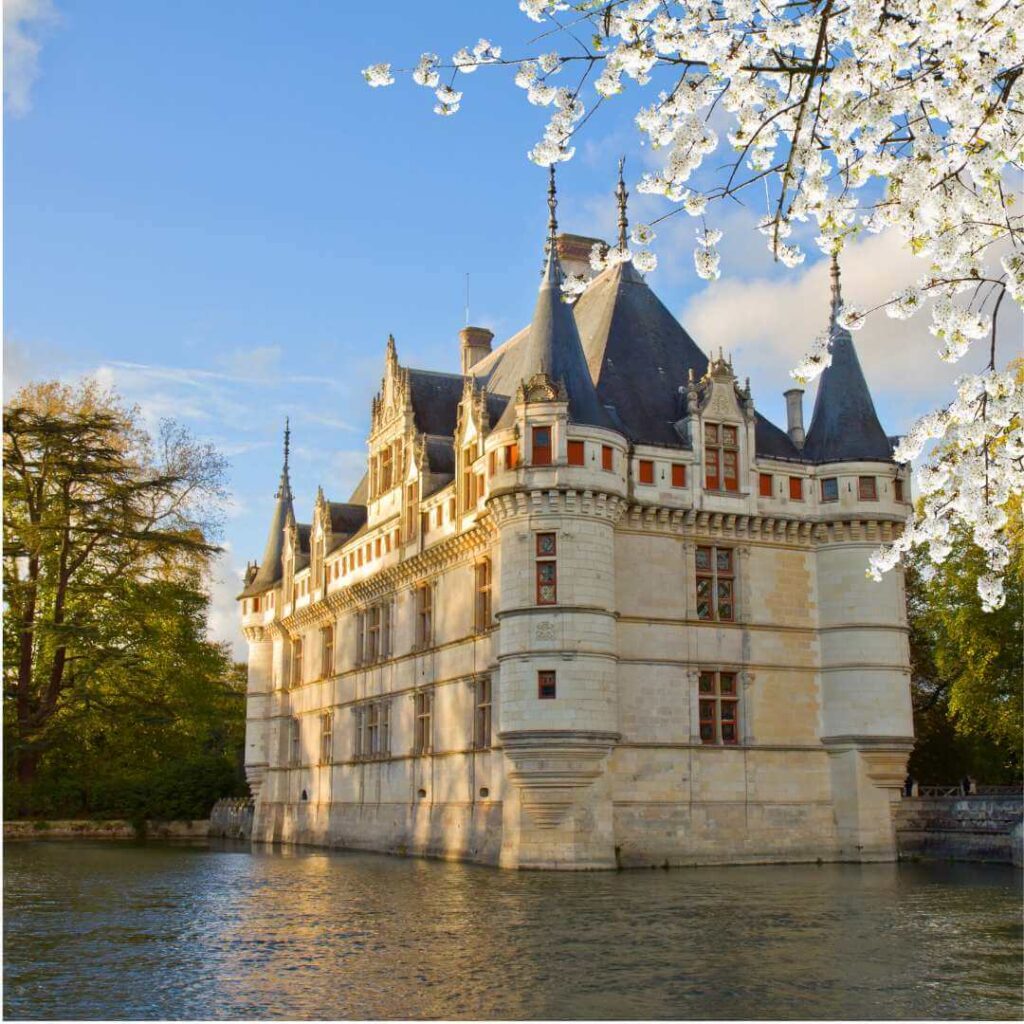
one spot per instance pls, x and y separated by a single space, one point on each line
104 829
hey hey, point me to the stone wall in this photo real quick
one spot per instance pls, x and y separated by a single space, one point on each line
974 828
112 829
231 818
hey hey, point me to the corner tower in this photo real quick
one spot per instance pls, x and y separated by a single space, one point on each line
555 502
867 726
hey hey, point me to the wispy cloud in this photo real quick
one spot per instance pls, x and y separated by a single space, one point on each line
24 23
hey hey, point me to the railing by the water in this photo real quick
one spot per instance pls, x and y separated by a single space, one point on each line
960 790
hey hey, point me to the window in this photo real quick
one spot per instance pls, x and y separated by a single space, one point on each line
719 708
385 469
546 686
327 737
830 489
297 662
678 474
371 650
721 457
715 584
492 462
511 456
295 743
764 484
424 615
468 478
867 488
646 471
411 511
327 651
439 516
796 488
482 713
606 457
373 729
423 732
542 446
577 452
547 569
482 608
897 489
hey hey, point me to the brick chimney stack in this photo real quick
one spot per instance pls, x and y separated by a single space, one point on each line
474 344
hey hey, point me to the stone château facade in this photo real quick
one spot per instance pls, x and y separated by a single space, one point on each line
589 608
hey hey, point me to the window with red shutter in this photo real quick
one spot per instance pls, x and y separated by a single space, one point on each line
542 446
576 453
646 471
678 474
606 457
765 485
796 488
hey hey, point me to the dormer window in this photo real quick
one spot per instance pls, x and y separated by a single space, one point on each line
542 446
386 466
721 457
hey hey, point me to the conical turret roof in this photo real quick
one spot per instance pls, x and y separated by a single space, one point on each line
844 425
271 568
552 345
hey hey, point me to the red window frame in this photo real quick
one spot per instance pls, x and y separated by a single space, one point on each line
678 474
867 488
547 568
796 488
577 453
606 457
547 685
897 489
764 484
645 471
541 446
721 457
511 455
718 708
716 584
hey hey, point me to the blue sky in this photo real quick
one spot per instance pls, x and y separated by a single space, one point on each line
206 205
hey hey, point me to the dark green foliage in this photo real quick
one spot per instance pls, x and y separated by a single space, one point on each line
116 703
966 665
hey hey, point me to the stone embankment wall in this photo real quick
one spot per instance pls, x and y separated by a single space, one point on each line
114 829
231 818
980 827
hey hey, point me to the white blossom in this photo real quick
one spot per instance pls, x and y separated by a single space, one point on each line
911 124
377 75
645 261
642 234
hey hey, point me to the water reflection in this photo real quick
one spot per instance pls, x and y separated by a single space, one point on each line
115 930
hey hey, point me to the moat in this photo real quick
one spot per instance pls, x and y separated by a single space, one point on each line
124 930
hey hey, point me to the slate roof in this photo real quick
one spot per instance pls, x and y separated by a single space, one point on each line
552 346
844 425
638 353
346 519
271 568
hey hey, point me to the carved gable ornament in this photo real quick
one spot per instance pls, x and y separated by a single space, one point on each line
542 387
393 400
719 395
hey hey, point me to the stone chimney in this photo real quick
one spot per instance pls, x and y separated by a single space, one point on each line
474 344
574 253
795 415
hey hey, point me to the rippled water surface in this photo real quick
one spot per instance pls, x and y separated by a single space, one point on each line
123 930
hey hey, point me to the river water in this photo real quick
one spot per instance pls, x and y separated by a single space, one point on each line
109 929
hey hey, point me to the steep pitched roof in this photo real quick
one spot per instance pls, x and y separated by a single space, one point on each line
346 519
271 567
638 353
552 346
844 425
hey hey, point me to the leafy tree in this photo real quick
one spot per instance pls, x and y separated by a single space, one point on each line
107 667
966 664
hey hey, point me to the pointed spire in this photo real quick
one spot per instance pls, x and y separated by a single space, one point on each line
622 196
284 488
552 347
552 203
837 295
844 425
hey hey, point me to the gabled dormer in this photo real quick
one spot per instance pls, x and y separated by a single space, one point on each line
722 428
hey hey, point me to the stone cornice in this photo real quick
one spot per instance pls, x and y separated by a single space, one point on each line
518 503
421 566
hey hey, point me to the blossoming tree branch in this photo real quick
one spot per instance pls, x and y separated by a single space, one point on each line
858 115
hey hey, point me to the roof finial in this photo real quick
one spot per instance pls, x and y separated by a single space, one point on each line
622 195
284 488
837 295
552 203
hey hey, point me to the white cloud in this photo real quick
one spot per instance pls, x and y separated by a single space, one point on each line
24 21
767 323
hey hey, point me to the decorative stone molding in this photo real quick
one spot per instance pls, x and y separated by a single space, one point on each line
517 504
550 766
